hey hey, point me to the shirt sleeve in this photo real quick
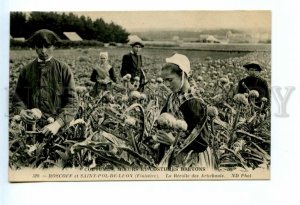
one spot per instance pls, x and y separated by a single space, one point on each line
20 95
194 113
240 87
69 99
94 76
267 90
112 74
125 65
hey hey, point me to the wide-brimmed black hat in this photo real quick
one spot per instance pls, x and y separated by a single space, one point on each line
137 43
43 37
253 64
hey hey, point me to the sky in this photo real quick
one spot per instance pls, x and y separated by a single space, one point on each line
145 20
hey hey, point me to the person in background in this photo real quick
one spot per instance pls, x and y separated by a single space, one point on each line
102 74
132 62
254 82
46 84
183 103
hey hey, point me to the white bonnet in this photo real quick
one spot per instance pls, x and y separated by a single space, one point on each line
103 54
182 61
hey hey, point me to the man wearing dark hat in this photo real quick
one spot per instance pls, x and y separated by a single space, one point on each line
132 62
254 82
46 84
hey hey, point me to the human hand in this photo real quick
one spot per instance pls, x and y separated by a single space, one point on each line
30 116
51 129
104 81
164 138
27 116
130 86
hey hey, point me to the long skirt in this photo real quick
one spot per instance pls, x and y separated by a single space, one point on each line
203 159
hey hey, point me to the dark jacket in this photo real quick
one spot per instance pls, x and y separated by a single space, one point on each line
132 64
111 73
255 83
193 111
48 86
100 86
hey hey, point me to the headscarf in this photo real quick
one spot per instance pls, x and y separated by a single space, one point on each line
106 66
183 63
103 54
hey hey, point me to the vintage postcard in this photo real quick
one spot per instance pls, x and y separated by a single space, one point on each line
139 95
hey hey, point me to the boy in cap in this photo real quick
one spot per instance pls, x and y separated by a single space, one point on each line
46 84
254 82
132 62
183 103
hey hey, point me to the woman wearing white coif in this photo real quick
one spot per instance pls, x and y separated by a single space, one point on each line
102 74
184 104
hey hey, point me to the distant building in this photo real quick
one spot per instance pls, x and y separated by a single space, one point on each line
212 39
207 38
203 37
72 36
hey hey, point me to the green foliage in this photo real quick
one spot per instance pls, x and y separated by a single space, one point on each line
17 21
98 30
117 132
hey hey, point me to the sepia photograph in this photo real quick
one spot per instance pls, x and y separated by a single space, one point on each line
140 95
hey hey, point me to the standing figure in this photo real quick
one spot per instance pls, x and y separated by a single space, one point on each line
132 62
183 103
47 84
254 82
102 74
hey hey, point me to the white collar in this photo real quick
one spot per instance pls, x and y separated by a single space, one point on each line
133 53
39 60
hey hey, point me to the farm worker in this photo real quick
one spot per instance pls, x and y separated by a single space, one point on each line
47 84
183 103
132 62
254 82
102 74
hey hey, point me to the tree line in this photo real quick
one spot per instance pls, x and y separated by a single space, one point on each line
25 24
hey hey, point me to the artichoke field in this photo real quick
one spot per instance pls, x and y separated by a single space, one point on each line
120 128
